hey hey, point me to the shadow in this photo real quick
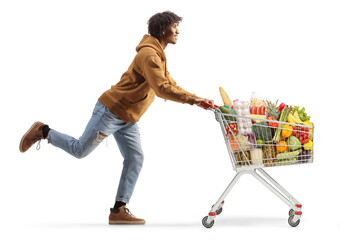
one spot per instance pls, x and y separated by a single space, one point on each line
220 222
69 225
224 221
251 222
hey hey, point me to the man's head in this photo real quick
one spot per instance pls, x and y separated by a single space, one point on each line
164 25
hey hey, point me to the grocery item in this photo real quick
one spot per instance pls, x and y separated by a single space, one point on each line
281 146
256 156
281 106
272 110
288 161
231 129
269 153
234 144
283 116
286 131
262 131
227 110
294 118
243 157
225 97
242 111
293 143
305 155
257 107
273 122
302 133
308 145
251 139
301 113
288 155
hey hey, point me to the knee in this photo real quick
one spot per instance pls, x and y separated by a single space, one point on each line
80 154
140 158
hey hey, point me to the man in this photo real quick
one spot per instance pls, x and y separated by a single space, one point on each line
118 110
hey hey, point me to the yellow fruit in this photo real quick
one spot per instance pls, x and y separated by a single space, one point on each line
309 145
297 118
291 118
287 131
308 123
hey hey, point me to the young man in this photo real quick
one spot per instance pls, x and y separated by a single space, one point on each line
118 110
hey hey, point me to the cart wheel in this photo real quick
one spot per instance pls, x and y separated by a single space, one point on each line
207 225
219 211
292 223
291 212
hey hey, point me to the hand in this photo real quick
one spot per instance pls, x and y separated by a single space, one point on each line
200 100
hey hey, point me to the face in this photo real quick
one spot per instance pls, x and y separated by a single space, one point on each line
172 33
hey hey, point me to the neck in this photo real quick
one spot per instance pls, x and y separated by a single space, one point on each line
163 44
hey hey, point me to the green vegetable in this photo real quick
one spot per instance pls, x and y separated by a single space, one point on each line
302 115
262 131
288 155
283 118
287 161
227 110
293 143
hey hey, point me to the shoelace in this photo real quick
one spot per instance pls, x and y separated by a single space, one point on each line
127 211
36 138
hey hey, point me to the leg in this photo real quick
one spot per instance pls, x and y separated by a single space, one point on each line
101 124
128 140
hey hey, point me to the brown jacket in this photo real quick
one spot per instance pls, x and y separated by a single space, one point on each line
146 77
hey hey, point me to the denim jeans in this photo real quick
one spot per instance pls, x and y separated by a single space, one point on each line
126 135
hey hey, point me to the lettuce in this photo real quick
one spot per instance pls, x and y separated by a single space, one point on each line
293 143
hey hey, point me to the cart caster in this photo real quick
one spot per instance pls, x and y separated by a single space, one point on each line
207 225
291 212
220 209
291 222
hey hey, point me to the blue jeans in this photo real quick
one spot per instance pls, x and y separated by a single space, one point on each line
126 135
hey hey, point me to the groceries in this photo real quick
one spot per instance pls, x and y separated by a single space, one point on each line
244 122
257 108
225 97
256 156
269 154
263 133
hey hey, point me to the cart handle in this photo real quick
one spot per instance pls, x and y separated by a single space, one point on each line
206 105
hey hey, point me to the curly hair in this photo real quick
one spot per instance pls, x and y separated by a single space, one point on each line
160 22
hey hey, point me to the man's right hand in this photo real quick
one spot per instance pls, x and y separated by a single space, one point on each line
198 102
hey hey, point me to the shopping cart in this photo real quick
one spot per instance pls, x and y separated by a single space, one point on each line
249 155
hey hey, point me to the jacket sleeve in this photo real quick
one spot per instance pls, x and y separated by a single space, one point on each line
173 83
164 87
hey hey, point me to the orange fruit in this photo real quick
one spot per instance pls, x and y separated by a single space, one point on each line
281 146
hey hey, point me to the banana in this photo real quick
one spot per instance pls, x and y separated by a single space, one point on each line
297 118
291 118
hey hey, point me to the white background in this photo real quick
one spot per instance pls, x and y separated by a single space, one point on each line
58 57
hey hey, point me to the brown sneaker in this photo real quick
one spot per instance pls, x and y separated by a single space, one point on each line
122 215
33 135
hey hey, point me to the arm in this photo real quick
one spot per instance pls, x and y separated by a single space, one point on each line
173 83
164 87
198 100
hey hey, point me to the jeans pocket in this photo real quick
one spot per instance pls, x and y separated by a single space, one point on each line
111 115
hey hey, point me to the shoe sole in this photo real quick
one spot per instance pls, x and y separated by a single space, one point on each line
22 139
126 222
